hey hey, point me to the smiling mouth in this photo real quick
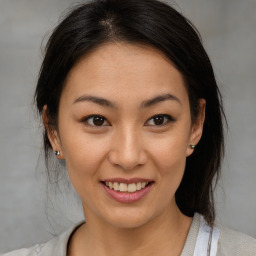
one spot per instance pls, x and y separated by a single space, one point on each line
124 187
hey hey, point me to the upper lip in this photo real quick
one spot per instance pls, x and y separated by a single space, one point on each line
127 181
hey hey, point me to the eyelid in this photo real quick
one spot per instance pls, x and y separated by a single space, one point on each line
86 118
169 119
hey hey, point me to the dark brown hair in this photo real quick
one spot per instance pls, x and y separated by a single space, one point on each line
157 24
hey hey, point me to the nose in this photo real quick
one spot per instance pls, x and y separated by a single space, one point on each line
127 150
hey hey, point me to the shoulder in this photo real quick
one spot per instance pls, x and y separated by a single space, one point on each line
40 249
235 243
26 251
56 246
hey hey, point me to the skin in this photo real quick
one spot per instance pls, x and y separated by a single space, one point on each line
129 144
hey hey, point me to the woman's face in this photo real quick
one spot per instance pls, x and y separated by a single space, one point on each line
124 122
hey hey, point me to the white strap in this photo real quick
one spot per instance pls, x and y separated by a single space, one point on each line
204 235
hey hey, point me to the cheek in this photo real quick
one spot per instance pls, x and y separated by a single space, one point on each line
170 151
84 157
169 157
84 154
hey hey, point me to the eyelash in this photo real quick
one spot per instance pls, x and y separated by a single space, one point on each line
168 119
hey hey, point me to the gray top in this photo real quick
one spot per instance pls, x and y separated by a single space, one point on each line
229 243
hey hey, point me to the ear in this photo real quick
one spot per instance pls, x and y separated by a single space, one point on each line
197 127
52 134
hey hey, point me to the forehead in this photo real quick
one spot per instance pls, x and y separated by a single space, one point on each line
116 70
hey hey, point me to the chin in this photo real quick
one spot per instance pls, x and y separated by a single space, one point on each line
128 223
128 218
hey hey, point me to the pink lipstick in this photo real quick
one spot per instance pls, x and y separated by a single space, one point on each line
127 191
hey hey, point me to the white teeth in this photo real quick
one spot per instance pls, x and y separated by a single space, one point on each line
132 187
138 186
116 186
123 187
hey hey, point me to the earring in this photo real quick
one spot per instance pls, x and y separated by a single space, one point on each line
192 146
57 153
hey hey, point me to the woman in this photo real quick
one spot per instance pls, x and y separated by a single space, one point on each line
129 102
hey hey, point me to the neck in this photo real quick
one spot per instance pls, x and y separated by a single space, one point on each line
165 235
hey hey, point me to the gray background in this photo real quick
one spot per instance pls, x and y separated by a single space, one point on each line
27 215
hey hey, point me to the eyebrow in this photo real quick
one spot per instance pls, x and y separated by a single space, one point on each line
97 100
158 99
147 103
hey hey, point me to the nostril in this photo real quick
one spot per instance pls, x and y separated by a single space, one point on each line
126 160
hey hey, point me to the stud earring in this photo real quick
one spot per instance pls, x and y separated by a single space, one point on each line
192 146
57 153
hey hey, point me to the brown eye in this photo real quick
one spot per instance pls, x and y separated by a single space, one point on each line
96 120
159 120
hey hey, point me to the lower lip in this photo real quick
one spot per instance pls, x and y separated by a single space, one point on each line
126 197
